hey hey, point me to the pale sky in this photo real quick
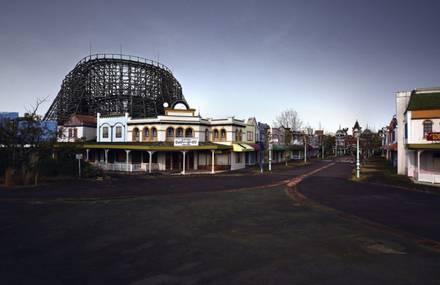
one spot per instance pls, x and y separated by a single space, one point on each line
332 61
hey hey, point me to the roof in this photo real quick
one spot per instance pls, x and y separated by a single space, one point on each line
424 101
81 120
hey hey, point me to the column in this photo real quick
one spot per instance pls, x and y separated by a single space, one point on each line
171 160
184 161
418 164
106 156
212 161
196 160
127 160
87 154
150 160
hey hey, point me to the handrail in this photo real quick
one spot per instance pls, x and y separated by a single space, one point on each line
123 57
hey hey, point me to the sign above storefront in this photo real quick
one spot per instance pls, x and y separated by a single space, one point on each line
186 142
433 137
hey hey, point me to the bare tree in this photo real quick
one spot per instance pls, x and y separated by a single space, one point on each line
290 122
289 119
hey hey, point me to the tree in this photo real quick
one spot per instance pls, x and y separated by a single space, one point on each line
290 122
329 144
23 143
289 119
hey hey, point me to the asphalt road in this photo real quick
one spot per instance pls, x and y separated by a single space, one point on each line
412 212
144 185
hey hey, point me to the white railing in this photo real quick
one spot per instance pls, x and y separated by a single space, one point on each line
154 166
120 166
429 176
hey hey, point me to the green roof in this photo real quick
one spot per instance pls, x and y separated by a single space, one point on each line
424 101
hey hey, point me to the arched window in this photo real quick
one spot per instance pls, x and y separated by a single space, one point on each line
188 133
206 135
170 132
427 127
223 134
179 133
146 134
238 135
104 132
135 135
118 134
153 133
215 135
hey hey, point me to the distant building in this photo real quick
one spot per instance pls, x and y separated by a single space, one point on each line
341 142
46 129
8 116
262 140
279 147
389 141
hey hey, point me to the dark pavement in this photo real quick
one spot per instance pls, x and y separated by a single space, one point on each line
144 185
412 212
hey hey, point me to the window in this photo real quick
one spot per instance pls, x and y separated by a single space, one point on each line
170 132
238 135
250 136
104 132
118 132
70 132
215 135
206 135
189 133
223 134
179 133
75 133
153 132
135 134
427 128
146 133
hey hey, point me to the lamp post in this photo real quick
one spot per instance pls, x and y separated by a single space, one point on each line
270 149
305 147
356 132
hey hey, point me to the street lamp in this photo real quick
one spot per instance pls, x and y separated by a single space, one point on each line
356 133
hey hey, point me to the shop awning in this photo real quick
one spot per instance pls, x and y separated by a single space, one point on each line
278 147
242 147
255 146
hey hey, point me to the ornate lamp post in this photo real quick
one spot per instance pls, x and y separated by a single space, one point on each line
356 133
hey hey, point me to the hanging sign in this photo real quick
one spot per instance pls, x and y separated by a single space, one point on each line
186 142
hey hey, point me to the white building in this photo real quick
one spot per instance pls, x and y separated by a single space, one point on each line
78 128
178 141
418 134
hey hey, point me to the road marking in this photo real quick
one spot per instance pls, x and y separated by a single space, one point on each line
295 181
